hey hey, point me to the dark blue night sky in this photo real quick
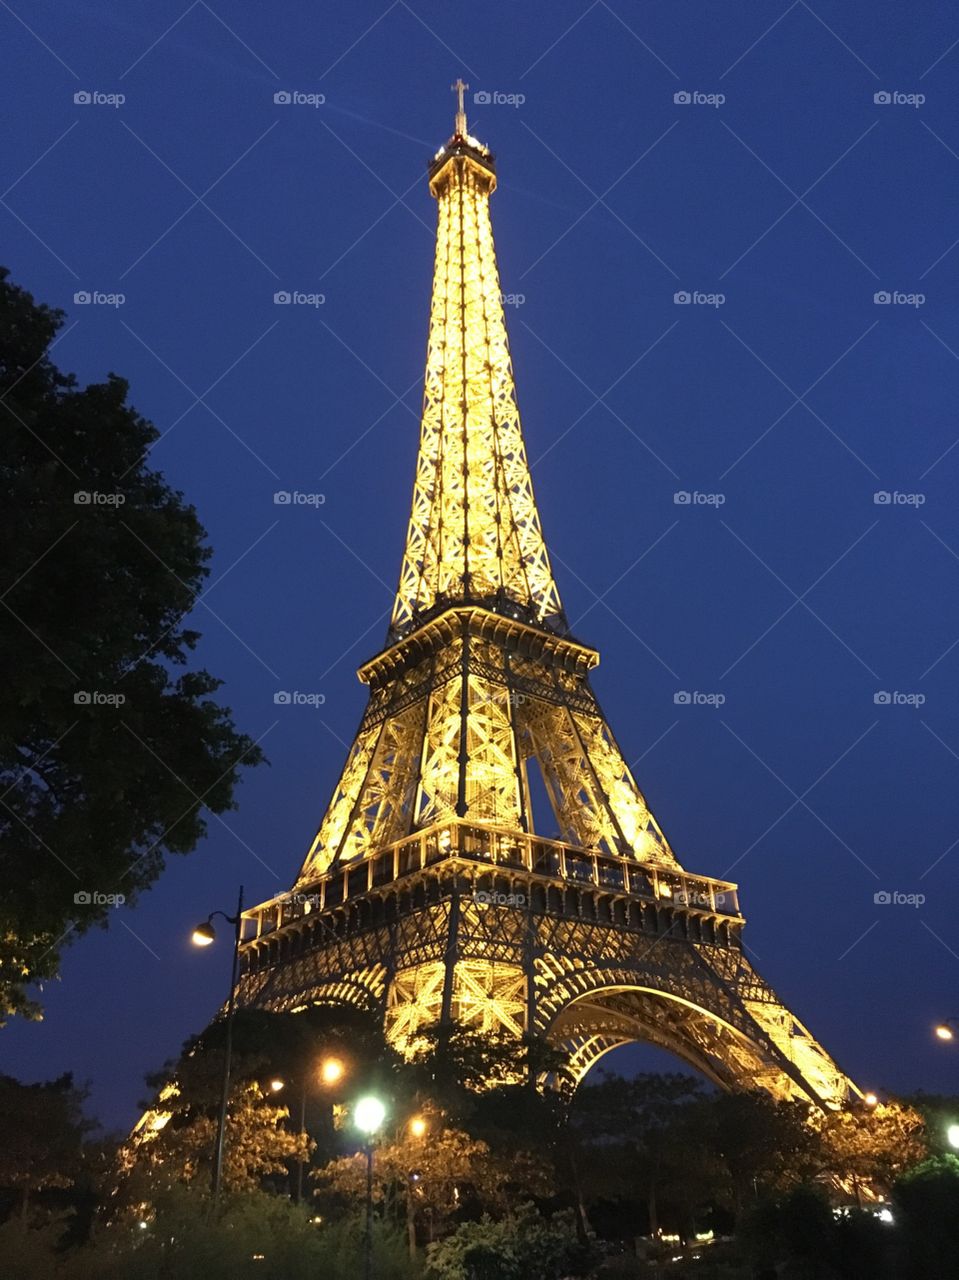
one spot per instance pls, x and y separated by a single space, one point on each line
798 598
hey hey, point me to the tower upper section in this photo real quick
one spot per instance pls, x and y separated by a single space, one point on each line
474 533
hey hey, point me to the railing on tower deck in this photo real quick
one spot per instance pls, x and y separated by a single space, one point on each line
488 845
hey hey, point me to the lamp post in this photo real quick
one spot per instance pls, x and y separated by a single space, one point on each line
203 935
368 1116
331 1072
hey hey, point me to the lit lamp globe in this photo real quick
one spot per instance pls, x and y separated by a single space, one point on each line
203 934
417 1127
331 1072
368 1115
944 1032
952 1133
870 1099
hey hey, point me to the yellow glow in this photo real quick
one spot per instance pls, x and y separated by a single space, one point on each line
418 1127
944 1032
870 1099
276 1085
332 1070
203 935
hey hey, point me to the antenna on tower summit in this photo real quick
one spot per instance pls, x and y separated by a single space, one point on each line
459 89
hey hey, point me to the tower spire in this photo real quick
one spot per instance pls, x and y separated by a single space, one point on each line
459 89
474 533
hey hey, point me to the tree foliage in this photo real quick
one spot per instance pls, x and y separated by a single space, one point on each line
102 561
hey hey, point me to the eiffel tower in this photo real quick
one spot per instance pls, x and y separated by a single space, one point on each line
427 895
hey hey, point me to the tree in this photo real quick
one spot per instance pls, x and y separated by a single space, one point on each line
527 1247
107 762
761 1144
258 1145
44 1131
872 1146
636 1137
425 1174
926 1207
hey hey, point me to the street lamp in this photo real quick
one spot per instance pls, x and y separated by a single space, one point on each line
203 935
944 1030
870 1099
331 1071
952 1134
418 1127
368 1115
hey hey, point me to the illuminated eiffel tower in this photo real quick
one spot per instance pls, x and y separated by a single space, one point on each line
427 896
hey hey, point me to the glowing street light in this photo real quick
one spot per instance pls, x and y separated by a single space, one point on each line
277 1085
870 1099
203 936
952 1134
332 1071
418 1127
368 1116
944 1030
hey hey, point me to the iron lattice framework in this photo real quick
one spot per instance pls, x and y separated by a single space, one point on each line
427 896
